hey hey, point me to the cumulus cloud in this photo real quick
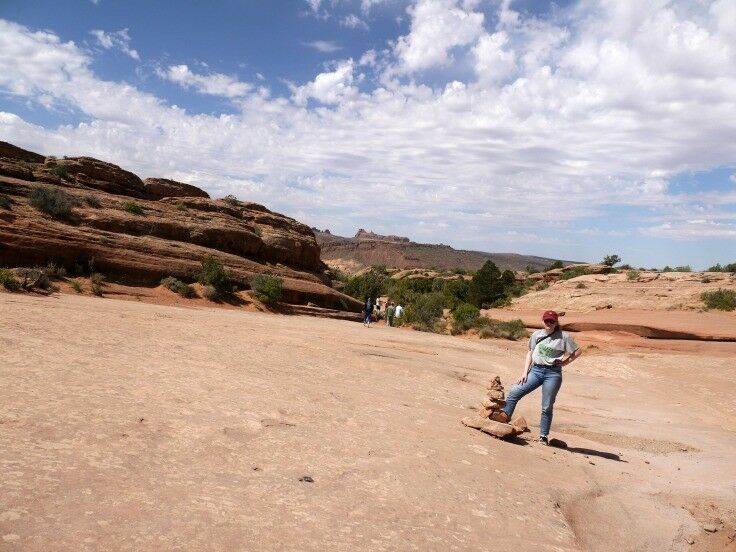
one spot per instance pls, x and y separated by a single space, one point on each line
437 27
119 40
352 21
215 84
554 121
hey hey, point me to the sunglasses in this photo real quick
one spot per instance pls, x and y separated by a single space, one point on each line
550 321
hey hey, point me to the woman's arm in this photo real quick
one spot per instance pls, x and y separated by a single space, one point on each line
572 356
527 362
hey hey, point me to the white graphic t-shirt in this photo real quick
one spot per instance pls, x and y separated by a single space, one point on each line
545 350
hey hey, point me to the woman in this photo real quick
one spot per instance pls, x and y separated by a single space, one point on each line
549 350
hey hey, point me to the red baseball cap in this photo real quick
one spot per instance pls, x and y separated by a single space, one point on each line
550 315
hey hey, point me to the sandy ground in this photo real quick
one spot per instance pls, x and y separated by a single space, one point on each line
132 426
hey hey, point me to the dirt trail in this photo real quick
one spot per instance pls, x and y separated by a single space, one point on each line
131 426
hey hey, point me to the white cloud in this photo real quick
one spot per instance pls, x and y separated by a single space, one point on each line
437 27
552 121
326 46
330 87
215 84
692 230
119 40
352 21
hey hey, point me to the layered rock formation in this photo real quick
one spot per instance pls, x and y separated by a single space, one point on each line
368 249
491 419
139 231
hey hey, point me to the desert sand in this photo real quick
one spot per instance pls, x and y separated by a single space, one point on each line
134 426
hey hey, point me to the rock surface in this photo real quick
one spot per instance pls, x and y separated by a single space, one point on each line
170 238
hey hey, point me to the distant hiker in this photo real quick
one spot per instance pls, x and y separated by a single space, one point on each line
367 312
398 311
390 313
549 350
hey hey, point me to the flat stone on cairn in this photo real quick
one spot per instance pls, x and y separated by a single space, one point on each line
491 418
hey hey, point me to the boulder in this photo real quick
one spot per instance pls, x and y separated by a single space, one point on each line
499 416
159 188
491 427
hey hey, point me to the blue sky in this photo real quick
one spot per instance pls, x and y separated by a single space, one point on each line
569 130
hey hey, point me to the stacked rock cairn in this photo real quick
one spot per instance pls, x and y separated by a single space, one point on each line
491 418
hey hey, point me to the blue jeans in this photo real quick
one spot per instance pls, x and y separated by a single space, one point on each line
550 378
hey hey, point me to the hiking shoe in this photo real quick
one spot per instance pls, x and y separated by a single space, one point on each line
543 439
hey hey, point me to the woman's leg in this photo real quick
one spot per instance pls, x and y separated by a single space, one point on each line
533 381
550 387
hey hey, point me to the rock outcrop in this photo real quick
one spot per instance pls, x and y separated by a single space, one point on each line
139 232
491 418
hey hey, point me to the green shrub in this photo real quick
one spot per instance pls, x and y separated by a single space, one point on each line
33 277
267 288
464 316
54 271
214 274
92 201
62 171
370 284
489 285
52 201
133 208
177 286
181 206
554 265
731 267
574 272
721 299
633 275
5 202
542 286
97 280
425 311
667 269
610 260
512 330
76 286
581 285
8 280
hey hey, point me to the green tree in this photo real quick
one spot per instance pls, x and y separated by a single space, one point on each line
610 260
556 264
490 285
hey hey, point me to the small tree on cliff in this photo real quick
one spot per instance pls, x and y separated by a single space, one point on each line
610 260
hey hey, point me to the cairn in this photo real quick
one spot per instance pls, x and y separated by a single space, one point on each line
491 418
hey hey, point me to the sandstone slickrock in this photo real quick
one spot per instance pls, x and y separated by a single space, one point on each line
491 418
179 227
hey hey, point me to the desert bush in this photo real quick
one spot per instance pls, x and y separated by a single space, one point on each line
211 293
512 330
685 268
177 286
554 265
581 285
667 269
465 316
52 201
215 275
133 208
33 277
97 280
370 284
267 288
62 171
425 311
542 286
633 275
76 286
181 206
574 272
5 202
8 280
731 267
625 267
92 201
720 299
54 271
230 199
